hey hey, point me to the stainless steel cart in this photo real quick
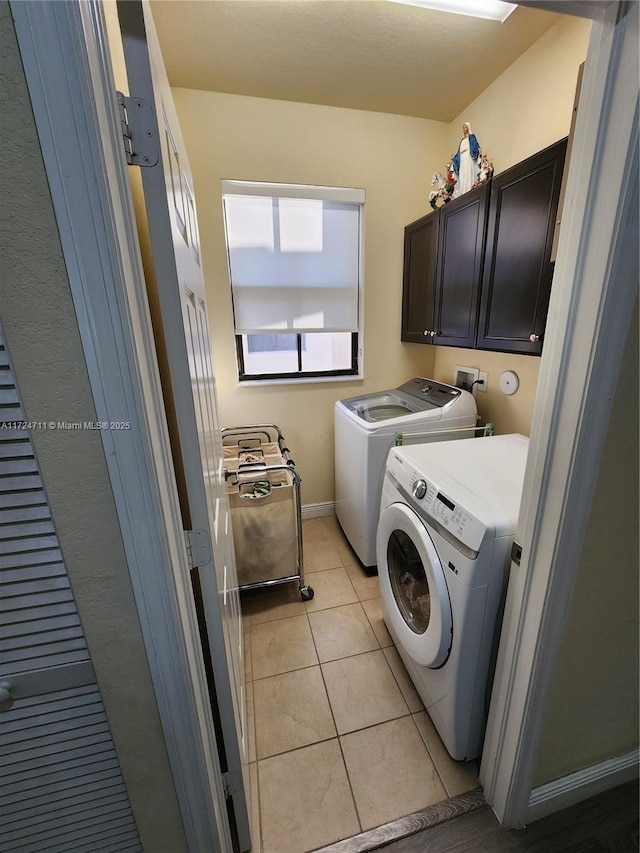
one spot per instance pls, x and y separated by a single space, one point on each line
266 512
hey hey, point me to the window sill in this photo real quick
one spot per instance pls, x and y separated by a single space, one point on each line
303 380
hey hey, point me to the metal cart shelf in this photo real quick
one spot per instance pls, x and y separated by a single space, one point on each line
266 512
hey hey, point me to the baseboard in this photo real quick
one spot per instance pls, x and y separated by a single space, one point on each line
561 793
318 510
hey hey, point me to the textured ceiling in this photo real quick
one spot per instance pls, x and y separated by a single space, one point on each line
362 54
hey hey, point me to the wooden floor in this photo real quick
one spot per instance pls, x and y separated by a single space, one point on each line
605 824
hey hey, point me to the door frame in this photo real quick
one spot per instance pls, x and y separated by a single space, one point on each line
596 278
68 70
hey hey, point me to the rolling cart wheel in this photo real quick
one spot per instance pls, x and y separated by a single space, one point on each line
306 593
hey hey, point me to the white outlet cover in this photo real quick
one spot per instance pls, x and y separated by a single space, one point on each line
509 382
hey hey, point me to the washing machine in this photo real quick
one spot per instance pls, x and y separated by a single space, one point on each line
365 429
448 517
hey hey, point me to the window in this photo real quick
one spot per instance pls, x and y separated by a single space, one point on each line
295 270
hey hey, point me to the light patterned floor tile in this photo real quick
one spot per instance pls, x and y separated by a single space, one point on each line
362 691
366 585
403 678
270 603
341 632
373 609
320 555
332 526
315 530
390 771
282 646
305 799
458 777
332 589
291 710
346 552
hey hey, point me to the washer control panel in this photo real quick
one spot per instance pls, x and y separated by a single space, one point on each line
419 489
453 518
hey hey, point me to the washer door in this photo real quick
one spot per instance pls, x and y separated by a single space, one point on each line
414 586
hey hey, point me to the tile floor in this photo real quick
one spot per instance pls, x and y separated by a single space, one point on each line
339 741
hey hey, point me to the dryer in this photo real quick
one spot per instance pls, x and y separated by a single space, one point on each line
447 521
364 430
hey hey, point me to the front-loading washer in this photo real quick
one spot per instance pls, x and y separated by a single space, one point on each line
448 516
365 428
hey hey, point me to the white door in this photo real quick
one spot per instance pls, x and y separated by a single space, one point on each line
181 330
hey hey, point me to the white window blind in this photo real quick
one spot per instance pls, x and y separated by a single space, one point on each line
294 257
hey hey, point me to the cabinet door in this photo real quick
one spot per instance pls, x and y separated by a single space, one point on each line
420 242
517 271
461 232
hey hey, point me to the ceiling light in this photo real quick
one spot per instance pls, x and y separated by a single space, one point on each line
493 10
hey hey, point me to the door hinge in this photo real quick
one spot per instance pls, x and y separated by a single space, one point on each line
139 131
516 553
198 544
232 783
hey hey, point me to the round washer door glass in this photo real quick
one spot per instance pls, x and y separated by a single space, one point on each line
409 582
413 586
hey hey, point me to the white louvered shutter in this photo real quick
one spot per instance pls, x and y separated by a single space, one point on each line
61 788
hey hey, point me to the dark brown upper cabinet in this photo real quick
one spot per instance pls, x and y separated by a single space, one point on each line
420 247
477 272
461 233
516 283
442 272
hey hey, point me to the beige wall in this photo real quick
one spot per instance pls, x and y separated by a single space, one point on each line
593 712
42 331
393 158
526 109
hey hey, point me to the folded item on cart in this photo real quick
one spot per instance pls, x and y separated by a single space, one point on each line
269 453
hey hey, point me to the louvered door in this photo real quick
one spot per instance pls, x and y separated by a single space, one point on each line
61 788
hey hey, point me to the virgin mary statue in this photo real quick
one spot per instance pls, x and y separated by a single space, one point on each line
466 161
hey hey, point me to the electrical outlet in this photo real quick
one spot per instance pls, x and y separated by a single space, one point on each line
484 377
464 377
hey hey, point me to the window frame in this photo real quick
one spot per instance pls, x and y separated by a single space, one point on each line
303 191
299 374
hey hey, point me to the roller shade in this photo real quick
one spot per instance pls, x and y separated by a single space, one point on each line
294 262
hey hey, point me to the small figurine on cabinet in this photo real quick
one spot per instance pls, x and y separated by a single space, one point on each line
466 161
486 171
445 185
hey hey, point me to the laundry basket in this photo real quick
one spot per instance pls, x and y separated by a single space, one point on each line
266 513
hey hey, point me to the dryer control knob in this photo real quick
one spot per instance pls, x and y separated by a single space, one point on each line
419 489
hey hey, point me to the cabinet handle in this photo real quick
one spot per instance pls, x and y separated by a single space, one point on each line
426 333
534 338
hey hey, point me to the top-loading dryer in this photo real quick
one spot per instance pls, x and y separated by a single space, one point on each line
365 428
